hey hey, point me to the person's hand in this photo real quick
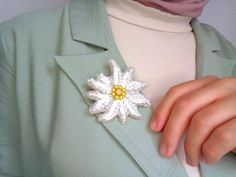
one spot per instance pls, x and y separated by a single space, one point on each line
206 108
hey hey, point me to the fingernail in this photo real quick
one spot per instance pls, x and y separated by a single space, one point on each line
203 158
153 125
165 150
188 160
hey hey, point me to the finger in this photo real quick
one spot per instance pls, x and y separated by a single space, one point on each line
203 123
220 142
183 110
162 112
185 107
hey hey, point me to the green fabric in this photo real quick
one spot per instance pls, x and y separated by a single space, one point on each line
45 127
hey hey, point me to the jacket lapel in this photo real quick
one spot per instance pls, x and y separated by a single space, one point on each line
208 61
134 136
93 29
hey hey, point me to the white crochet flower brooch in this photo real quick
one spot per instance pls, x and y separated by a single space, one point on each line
118 95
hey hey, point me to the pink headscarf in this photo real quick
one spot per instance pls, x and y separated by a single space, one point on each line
190 8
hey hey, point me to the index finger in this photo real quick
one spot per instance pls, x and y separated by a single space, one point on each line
163 110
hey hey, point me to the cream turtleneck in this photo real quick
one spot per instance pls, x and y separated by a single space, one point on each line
160 46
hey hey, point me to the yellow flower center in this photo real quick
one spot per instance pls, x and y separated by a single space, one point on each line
118 92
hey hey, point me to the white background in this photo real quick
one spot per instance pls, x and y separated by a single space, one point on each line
219 13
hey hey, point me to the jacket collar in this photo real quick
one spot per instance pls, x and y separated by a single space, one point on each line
93 29
89 27
86 25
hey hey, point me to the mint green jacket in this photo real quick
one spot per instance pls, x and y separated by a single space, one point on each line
45 127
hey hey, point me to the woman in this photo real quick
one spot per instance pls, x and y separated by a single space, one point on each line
48 126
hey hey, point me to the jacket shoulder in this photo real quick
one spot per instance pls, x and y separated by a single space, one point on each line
28 29
29 24
29 20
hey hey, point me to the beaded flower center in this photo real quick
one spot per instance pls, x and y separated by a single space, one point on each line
118 92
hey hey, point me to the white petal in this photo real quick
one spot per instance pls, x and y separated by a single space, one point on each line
97 85
135 86
96 95
133 110
106 80
127 77
110 113
139 99
116 72
99 106
123 112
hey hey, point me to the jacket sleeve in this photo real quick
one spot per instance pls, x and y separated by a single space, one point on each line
9 124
